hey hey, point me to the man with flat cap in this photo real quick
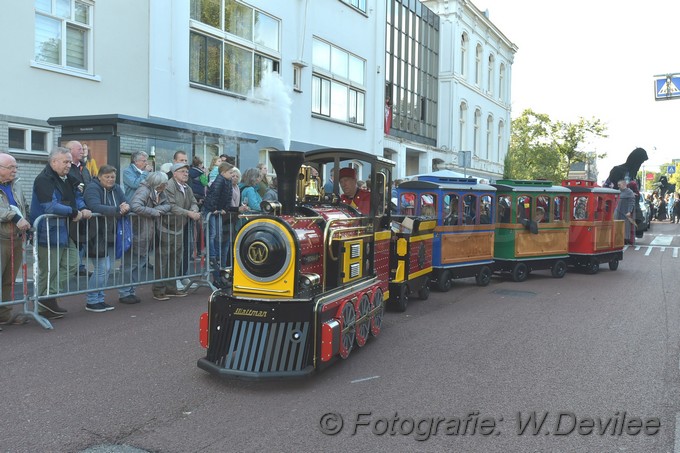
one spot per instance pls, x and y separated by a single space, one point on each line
352 194
171 245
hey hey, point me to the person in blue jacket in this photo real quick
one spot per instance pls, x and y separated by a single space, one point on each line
54 192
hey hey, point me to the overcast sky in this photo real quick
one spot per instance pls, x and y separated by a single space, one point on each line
597 58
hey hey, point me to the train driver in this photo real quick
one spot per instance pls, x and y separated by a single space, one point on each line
352 194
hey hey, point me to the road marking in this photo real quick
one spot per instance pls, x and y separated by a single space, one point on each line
364 379
676 446
649 250
675 252
662 240
637 247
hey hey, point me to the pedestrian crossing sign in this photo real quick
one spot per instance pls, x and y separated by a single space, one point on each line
667 87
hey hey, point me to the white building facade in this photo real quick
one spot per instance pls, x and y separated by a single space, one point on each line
196 75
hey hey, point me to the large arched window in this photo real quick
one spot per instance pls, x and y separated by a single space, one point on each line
463 53
477 138
478 65
490 70
462 138
489 137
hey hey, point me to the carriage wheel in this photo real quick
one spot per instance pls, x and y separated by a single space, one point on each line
424 291
559 269
348 318
483 278
444 281
593 266
364 321
378 312
401 302
520 272
614 264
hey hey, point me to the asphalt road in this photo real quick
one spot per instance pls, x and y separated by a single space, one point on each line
466 371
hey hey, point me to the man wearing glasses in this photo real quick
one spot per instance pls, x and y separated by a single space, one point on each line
136 173
13 225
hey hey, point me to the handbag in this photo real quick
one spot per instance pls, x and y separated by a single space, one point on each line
123 240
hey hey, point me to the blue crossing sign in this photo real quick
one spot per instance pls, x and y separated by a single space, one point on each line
671 169
667 87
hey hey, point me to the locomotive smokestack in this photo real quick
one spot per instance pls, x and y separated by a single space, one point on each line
287 165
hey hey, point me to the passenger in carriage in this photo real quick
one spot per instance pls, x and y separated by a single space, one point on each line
352 194
540 214
451 217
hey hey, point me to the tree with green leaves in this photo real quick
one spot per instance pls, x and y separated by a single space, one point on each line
543 149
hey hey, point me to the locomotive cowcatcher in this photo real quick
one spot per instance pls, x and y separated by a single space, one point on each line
310 274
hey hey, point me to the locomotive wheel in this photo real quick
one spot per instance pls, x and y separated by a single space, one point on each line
592 267
614 264
520 272
444 281
377 313
559 269
348 317
483 278
401 302
364 321
424 291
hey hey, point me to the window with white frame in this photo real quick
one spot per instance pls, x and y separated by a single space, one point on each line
337 83
29 138
490 75
463 53
501 82
476 138
232 46
499 147
358 4
489 137
478 66
63 34
462 122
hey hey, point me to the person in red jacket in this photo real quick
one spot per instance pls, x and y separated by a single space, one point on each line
352 194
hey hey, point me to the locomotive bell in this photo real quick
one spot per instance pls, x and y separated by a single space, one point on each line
287 165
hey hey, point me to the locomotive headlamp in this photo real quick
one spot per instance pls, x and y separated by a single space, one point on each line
271 207
226 273
309 280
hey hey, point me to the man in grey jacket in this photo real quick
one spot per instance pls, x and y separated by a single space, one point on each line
170 250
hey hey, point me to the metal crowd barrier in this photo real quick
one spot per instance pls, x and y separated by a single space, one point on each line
156 254
14 272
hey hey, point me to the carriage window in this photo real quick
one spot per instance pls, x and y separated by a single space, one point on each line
504 209
560 209
523 208
542 214
428 203
407 203
608 210
485 209
581 208
470 209
599 207
451 209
